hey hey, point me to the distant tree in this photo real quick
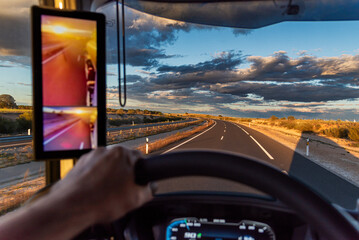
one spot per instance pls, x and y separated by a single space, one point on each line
291 118
131 111
120 112
24 107
273 118
7 101
220 116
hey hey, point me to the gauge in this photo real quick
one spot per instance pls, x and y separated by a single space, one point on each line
218 229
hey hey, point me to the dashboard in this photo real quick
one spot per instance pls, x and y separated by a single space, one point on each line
204 228
217 217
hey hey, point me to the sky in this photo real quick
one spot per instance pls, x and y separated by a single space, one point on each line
304 69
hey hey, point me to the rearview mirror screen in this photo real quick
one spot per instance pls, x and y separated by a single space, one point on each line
70 80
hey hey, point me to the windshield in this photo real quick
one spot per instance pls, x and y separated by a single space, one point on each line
286 94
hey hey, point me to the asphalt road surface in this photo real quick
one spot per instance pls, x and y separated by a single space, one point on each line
72 137
241 139
64 76
26 140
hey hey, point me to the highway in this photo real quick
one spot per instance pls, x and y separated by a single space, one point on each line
22 140
64 75
244 140
74 136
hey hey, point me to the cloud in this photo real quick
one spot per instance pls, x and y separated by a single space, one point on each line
146 36
305 87
241 31
298 92
24 84
223 61
15 25
5 66
146 57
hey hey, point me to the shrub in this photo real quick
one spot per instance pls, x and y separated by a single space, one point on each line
273 118
354 134
305 127
337 132
24 122
291 118
7 126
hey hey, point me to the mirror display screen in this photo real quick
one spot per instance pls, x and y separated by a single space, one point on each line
69 93
69 82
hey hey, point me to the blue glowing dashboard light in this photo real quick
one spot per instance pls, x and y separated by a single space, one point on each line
191 228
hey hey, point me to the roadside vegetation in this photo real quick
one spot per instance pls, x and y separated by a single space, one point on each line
331 128
125 120
15 126
14 196
125 135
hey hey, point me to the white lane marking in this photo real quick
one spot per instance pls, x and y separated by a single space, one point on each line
221 138
224 130
53 56
265 151
82 145
242 129
215 123
58 134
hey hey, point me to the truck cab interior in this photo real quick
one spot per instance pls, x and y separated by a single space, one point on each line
222 190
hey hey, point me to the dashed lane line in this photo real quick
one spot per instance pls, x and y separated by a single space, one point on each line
215 123
263 149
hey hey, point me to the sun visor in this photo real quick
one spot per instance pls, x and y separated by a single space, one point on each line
248 14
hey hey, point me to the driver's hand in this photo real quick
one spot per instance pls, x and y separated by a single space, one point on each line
102 182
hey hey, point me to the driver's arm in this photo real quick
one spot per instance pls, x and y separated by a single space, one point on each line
99 189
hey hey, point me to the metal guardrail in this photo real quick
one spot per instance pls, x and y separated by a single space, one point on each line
26 139
15 138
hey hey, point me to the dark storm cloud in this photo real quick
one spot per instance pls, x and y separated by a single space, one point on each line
131 78
241 31
146 35
15 28
147 57
224 61
17 31
281 68
297 92
276 77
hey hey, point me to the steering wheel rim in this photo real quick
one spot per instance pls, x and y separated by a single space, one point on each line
315 210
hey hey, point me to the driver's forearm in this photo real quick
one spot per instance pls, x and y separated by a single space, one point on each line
51 217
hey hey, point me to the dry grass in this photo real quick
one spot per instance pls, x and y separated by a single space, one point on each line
336 129
125 135
14 196
15 155
6 110
152 147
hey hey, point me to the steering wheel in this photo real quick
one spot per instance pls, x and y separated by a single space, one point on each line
330 221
